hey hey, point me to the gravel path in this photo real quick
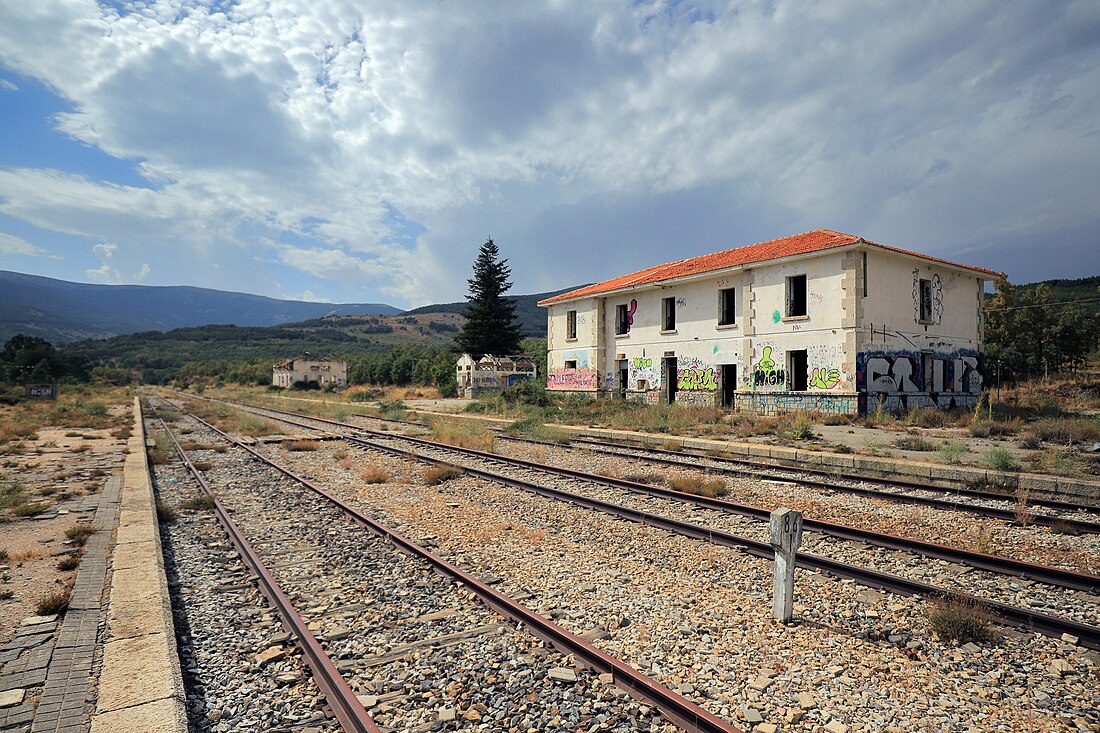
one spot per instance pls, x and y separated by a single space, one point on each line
695 616
422 654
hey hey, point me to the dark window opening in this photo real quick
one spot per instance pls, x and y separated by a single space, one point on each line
796 367
668 313
729 384
926 301
796 296
727 307
864 274
670 376
571 364
622 325
571 325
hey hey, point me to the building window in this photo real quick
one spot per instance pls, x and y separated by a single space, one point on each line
796 296
571 325
668 314
796 368
622 325
727 307
925 301
571 364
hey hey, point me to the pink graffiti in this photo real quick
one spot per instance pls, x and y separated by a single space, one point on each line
630 313
583 378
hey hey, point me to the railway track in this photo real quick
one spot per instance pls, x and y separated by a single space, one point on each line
263 506
953 498
1088 634
896 490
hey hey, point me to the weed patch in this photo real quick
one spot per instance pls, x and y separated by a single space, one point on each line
374 475
79 533
55 602
962 621
300 446
699 486
435 475
197 503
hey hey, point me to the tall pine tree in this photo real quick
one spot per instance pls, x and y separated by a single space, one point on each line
491 326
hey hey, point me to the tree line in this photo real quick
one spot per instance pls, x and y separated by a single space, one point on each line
1031 332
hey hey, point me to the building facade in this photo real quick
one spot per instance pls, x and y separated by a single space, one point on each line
821 321
488 374
306 369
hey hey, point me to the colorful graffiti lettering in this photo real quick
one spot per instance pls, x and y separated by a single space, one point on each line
630 314
694 379
902 380
641 370
822 378
582 378
765 374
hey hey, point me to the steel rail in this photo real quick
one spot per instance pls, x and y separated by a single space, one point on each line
759 470
1022 618
673 706
345 705
992 563
1011 615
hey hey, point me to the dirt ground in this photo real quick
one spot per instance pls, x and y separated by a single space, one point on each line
60 471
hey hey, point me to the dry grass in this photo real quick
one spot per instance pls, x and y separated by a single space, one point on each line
165 513
300 446
960 620
1023 511
197 503
29 509
699 486
202 465
55 602
435 475
79 533
462 433
374 475
67 563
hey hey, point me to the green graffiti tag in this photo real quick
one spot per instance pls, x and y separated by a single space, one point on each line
822 378
776 317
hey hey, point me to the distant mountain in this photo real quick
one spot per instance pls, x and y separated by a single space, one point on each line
532 319
61 311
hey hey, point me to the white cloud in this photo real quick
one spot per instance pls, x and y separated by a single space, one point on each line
104 250
105 274
309 297
13 245
8 86
143 272
927 125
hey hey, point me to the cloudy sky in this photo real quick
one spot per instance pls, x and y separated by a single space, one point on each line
359 151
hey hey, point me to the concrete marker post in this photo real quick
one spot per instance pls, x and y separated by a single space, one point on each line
785 534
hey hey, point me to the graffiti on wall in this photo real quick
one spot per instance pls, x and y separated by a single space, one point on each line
900 380
766 374
705 399
695 376
927 299
641 369
579 378
824 378
773 404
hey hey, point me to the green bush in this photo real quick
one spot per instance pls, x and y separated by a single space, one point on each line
1002 460
960 620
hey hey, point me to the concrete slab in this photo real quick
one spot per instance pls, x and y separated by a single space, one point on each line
136 532
159 715
139 604
136 555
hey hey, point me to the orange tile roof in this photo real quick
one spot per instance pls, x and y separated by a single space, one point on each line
796 244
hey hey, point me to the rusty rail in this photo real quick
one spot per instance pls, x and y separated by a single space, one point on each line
345 705
673 706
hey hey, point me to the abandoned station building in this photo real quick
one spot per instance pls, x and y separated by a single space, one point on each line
821 321
483 374
305 369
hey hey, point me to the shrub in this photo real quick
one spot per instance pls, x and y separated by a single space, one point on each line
1068 431
394 409
55 602
198 503
374 475
915 442
1030 441
800 427
699 486
462 433
3 555
841 448
156 457
1023 512
1002 460
339 454
29 509
953 452
644 478
960 620
165 513
79 533
1061 526
436 475
69 562
298 446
